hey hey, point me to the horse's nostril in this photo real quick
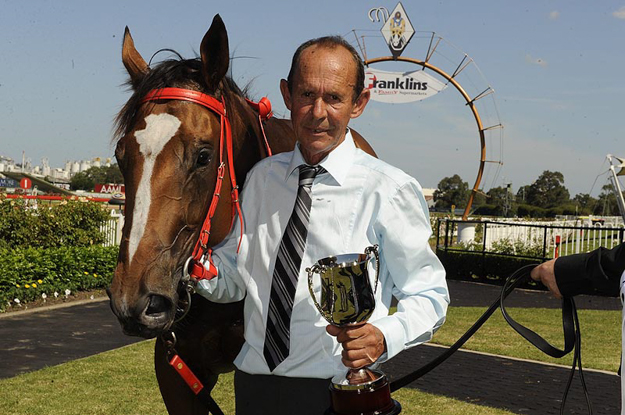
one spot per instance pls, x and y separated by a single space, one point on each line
158 304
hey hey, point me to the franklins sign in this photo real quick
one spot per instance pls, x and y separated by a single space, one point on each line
401 87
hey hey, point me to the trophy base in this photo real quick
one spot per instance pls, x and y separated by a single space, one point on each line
371 398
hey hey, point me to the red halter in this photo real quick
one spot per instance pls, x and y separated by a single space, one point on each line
194 265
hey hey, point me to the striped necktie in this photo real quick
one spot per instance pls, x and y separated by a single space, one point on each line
286 271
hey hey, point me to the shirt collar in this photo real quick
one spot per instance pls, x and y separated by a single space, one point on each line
337 162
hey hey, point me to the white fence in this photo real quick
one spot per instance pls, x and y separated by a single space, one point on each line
113 229
558 239
552 239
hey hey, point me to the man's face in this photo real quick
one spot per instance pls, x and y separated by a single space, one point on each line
322 99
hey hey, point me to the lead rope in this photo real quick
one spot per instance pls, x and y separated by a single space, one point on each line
570 325
187 375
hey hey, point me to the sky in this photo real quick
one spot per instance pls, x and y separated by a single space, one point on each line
555 67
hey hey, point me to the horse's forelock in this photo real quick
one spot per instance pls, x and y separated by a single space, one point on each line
183 73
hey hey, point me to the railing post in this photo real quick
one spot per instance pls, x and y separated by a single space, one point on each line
484 237
438 231
545 243
446 233
484 251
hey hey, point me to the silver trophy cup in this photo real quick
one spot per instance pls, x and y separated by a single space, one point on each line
348 299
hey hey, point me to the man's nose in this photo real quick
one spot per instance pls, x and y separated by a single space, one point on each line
319 108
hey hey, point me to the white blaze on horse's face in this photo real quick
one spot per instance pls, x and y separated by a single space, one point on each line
158 131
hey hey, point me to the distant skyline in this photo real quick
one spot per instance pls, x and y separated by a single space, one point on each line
556 67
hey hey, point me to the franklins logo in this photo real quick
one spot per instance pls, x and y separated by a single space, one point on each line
409 84
399 87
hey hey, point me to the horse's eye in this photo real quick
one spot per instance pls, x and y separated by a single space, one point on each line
203 157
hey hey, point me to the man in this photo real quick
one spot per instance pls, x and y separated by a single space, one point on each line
353 202
602 270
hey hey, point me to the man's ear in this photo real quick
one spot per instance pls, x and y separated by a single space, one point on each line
361 103
286 94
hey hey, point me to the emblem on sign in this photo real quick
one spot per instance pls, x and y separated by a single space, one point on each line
397 30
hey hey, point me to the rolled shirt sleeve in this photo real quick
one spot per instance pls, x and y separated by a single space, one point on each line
418 277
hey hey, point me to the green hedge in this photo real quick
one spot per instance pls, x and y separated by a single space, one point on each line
69 223
52 250
486 268
28 273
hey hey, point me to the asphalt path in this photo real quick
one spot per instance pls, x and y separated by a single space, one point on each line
49 336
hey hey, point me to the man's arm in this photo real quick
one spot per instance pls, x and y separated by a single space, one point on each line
570 275
416 273
418 280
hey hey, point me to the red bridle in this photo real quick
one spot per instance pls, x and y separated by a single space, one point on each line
202 252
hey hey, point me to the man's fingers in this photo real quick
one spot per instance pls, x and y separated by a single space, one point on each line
357 358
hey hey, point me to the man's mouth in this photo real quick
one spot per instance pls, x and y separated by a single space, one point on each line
318 130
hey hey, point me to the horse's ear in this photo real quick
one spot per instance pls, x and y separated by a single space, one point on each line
215 54
133 61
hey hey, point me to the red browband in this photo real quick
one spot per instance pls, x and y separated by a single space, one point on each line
202 253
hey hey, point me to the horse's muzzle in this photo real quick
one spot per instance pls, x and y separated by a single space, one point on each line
149 317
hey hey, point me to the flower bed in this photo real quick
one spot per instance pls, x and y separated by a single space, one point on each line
28 274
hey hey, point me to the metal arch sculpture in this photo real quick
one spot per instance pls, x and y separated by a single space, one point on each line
469 102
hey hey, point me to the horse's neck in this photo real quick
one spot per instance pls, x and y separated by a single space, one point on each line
280 135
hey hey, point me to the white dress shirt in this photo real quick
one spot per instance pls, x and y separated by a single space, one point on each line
360 202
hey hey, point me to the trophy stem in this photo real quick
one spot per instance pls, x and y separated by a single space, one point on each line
360 376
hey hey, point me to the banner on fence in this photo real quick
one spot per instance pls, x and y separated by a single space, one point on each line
110 188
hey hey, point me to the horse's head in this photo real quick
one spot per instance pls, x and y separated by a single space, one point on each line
168 151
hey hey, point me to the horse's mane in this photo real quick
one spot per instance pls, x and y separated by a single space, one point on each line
177 73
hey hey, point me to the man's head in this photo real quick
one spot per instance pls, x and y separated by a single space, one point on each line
324 90
331 42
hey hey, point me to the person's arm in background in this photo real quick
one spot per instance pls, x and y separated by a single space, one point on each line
570 275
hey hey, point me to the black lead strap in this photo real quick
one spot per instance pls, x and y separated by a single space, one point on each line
570 325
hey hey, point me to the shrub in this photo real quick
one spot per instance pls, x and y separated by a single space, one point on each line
481 267
28 273
71 222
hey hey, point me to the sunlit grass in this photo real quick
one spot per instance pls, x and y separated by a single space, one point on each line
122 381
601 334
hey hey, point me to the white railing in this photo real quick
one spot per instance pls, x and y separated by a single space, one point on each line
112 229
552 239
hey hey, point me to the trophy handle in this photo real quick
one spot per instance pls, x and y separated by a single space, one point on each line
311 271
374 249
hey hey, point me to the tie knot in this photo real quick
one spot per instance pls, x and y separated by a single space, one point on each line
308 173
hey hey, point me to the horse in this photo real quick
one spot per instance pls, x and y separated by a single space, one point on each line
170 151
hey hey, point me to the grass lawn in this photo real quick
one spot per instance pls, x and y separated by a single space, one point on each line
122 381
600 332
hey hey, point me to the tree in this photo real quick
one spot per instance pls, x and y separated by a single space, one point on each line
451 191
606 204
87 179
585 203
548 190
521 195
501 198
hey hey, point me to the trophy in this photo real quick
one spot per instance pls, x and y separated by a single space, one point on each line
348 299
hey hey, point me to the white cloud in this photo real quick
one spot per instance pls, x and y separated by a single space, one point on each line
554 15
620 13
535 61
